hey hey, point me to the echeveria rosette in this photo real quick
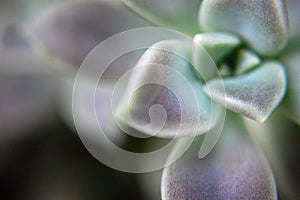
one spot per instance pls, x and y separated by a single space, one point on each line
246 39
256 84
265 34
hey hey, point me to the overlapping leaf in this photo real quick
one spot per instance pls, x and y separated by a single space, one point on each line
163 77
70 30
214 45
255 94
235 169
263 24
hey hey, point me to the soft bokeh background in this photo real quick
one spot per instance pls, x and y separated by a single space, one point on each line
41 155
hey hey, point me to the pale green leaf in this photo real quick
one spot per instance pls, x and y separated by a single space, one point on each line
263 24
225 70
246 60
218 45
255 94
214 45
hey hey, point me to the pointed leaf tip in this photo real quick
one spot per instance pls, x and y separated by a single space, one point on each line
255 94
246 60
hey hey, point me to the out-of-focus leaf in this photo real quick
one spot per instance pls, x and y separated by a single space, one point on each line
70 30
291 103
255 94
26 90
12 46
177 14
92 123
246 61
294 17
16 56
279 137
162 78
225 70
149 183
26 102
215 45
235 169
263 24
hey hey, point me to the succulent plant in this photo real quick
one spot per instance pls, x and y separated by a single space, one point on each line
253 43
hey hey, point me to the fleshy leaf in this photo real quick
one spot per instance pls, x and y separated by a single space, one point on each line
235 169
70 30
246 61
215 45
13 45
263 24
218 45
255 94
177 14
26 90
294 17
87 110
162 78
292 100
26 104
279 137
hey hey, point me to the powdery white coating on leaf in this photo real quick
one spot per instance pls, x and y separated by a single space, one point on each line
163 78
263 24
235 169
255 94
177 14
